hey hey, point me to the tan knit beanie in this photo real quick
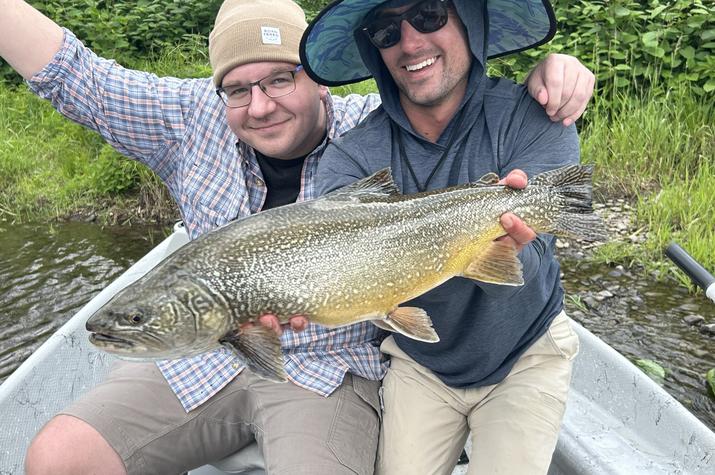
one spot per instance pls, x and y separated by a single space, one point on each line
248 31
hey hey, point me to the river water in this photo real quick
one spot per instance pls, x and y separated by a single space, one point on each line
49 271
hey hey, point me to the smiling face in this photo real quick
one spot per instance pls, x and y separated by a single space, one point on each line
430 69
285 127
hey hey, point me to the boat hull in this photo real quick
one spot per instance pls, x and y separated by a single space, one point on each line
617 420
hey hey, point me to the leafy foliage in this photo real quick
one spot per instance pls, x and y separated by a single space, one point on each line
111 173
312 7
653 369
631 45
634 45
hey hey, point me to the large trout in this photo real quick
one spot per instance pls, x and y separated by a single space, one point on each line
353 255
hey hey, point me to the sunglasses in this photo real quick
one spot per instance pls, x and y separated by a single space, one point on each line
425 17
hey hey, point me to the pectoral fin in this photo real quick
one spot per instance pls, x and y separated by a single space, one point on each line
412 322
382 325
260 349
498 265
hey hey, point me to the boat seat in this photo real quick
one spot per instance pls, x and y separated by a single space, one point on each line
247 461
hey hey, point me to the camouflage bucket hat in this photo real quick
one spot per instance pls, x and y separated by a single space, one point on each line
330 55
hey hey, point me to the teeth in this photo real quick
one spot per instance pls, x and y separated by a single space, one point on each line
423 64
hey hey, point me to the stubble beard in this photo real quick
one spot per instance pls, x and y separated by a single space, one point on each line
426 96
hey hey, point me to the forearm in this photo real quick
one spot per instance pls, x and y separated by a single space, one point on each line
29 39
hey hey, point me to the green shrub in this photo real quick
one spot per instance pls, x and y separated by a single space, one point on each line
633 45
111 173
629 44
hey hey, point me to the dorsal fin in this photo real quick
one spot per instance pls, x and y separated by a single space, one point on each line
377 186
568 175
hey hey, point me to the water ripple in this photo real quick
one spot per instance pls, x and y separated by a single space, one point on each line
48 272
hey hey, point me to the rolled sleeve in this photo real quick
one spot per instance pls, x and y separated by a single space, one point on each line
137 113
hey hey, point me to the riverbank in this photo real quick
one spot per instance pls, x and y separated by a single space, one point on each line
648 316
140 207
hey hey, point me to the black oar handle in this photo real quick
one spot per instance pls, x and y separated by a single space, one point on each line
690 266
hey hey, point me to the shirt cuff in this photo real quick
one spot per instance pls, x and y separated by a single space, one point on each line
58 65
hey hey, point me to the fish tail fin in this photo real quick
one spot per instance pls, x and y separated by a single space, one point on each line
259 348
575 217
587 227
412 322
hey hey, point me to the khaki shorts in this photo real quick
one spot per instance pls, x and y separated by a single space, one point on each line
299 431
514 424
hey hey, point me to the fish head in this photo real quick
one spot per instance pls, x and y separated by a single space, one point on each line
165 319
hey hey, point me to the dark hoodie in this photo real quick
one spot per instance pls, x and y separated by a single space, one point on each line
483 328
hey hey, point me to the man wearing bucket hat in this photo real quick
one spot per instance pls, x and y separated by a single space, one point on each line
502 367
225 149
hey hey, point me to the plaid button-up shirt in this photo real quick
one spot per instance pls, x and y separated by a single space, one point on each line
178 128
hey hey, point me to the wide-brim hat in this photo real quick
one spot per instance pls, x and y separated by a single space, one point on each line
330 56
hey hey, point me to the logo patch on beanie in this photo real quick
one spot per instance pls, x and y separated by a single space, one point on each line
270 35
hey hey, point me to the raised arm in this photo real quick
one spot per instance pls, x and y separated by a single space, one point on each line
141 115
29 39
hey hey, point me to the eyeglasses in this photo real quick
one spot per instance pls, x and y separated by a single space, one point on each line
275 85
425 17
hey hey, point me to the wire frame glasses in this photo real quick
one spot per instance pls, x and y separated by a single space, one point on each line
278 84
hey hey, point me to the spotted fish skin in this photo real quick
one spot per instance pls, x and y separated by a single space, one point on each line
350 256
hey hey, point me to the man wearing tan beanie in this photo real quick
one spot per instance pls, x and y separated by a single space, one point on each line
245 140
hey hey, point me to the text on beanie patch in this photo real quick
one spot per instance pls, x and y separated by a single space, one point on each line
270 35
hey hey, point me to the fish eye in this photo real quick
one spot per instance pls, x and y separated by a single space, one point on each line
135 318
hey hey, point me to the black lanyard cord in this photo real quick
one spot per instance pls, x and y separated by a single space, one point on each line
403 155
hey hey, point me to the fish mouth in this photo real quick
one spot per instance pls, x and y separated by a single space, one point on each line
102 339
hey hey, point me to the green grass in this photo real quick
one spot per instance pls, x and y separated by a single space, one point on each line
186 60
683 210
657 150
50 166
637 143
43 158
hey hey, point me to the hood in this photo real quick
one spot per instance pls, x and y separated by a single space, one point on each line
474 17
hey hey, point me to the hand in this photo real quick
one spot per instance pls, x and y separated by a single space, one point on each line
518 233
563 86
297 323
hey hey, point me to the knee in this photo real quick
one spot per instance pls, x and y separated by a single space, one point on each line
44 448
67 445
